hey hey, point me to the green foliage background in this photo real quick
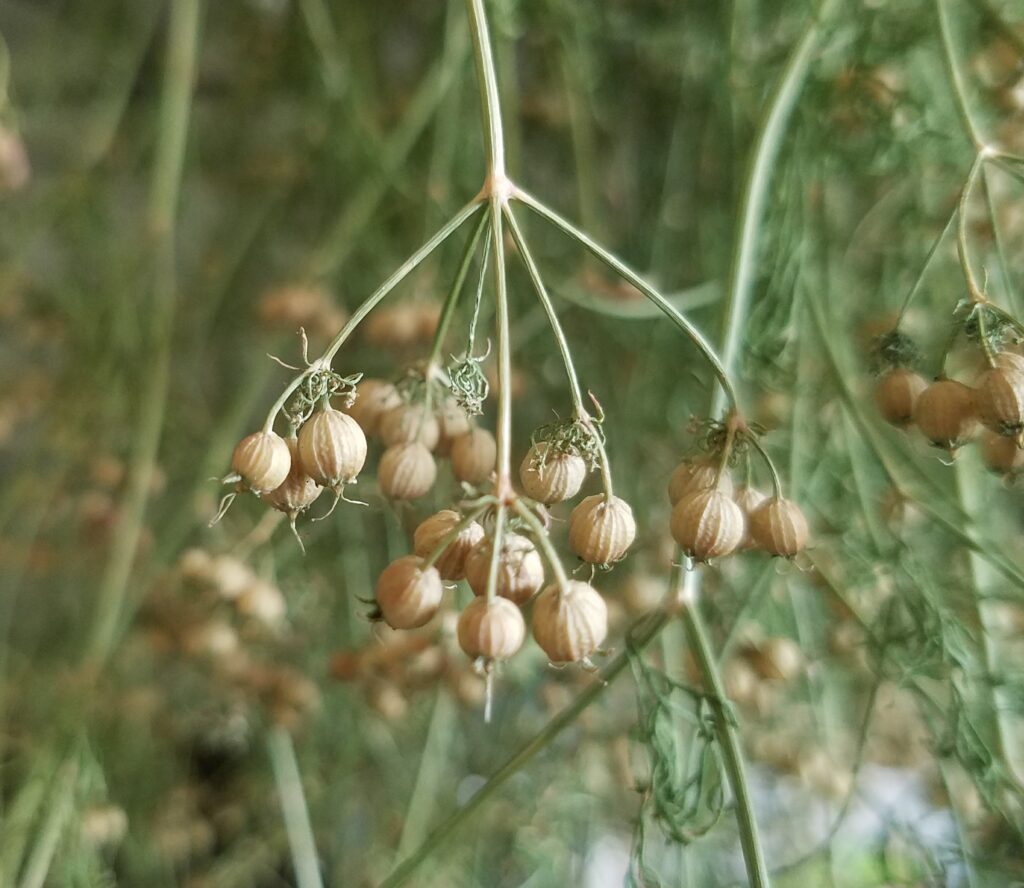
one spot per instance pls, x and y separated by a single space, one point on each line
325 141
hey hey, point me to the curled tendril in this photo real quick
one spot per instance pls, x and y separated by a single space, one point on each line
315 388
683 791
468 383
584 439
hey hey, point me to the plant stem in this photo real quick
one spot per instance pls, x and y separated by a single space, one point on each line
545 300
452 300
956 78
503 480
631 277
293 807
324 361
579 410
545 542
62 803
755 191
449 537
175 108
489 99
924 267
725 727
961 229
641 633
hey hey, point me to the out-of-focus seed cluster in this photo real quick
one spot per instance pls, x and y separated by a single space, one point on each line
949 413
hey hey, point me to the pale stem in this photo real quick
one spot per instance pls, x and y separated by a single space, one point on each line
489 99
631 277
759 447
452 300
294 809
961 229
725 728
497 542
916 286
579 410
503 481
545 542
449 537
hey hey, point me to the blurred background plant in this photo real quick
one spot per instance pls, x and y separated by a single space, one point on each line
187 183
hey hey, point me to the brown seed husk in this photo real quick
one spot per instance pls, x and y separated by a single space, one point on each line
570 622
692 475
374 398
945 413
896 394
263 461
551 477
453 422
707 524
298 491
332 448
779 527
999 400
451 564
474 456
408 596
409 423
748 499
1002 454
406 471
494 629
520 569
601 530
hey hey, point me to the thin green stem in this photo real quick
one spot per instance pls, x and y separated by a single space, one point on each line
725 728
579 410
497 545
545 542
449 537
549 309
452 300
324 361
916 286
956 77
961 229
755 193
639 635
175 110
294 809
61 807
631 277
489 98
503 480
759 447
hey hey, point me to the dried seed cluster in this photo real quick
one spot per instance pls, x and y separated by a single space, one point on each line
712 519
950 413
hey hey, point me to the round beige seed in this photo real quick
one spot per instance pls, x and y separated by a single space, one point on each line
494 629
779 527
473 456
451 564
406 471
263 461
570 621
520 570
332 448
551 477
602 530
408 596
707 524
